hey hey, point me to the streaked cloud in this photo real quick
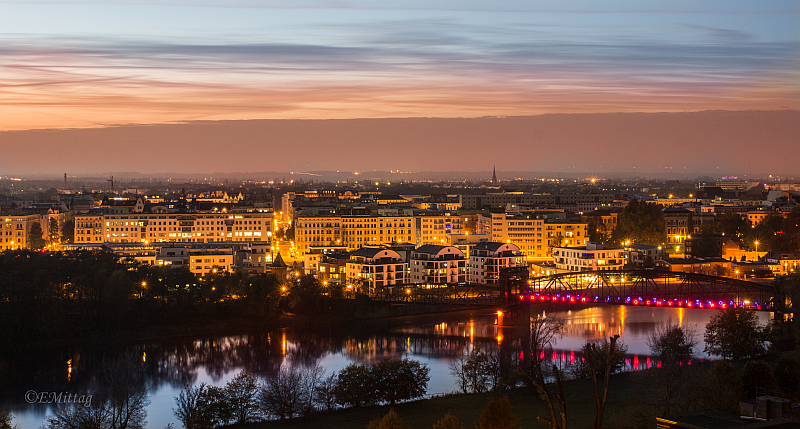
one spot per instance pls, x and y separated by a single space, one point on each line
389 63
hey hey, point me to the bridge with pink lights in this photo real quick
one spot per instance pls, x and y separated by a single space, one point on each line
644 288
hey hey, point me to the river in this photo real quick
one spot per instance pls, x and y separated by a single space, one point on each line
167 366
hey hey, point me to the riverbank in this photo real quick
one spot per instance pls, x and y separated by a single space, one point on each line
380 313
526 404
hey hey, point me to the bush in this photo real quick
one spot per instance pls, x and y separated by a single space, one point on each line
449 421
787 374
390 421
756 374
498 415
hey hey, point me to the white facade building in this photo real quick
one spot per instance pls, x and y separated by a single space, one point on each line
488 258
432 264
592 257
376 267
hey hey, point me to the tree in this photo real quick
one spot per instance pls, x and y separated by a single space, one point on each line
305 294
355 387
731 225
734 333
598 232
118 399
641 222
787 374
54 234
602 359
5 420
543 332
390 421
36 240
68 232
756 374
719 390
281 395
400 379
791 231
241 393
498 415
672 344
325 392
192 407
448 421
471 370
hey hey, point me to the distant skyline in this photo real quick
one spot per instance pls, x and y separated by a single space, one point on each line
158 79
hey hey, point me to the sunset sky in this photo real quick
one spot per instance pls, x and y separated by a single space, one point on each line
79 64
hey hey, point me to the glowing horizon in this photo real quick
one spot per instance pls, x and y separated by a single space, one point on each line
73 64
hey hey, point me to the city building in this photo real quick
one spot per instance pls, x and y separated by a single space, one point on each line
465 242
642 255
789 262
332 268
680 223
487 259
162 227
432 227
708 266
15 231
373 268
592 257
705 244
433 265
535 233
502 199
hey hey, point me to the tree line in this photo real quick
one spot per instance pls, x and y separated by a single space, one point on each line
52 295
642 222
298 392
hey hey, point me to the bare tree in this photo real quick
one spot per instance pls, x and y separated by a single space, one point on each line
282 394
241 394
602 359
543 333
118 400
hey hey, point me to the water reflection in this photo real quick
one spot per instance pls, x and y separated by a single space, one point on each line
167 366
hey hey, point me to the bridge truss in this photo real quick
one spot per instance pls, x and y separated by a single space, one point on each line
649 287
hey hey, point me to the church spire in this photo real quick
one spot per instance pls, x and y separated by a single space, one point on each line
494 175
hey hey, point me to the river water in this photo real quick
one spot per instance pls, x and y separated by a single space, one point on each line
167 366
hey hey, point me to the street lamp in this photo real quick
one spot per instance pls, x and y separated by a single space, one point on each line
756 243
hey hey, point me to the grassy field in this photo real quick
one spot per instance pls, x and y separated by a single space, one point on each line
526 405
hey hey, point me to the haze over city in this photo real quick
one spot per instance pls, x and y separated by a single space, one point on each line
204 87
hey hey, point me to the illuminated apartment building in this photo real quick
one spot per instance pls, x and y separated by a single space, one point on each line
433 264
15 231
535 234
192 228
592 257
376 267
432 227
487 259
89 228
352 231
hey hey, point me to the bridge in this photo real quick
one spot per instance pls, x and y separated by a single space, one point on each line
634 287
648 288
